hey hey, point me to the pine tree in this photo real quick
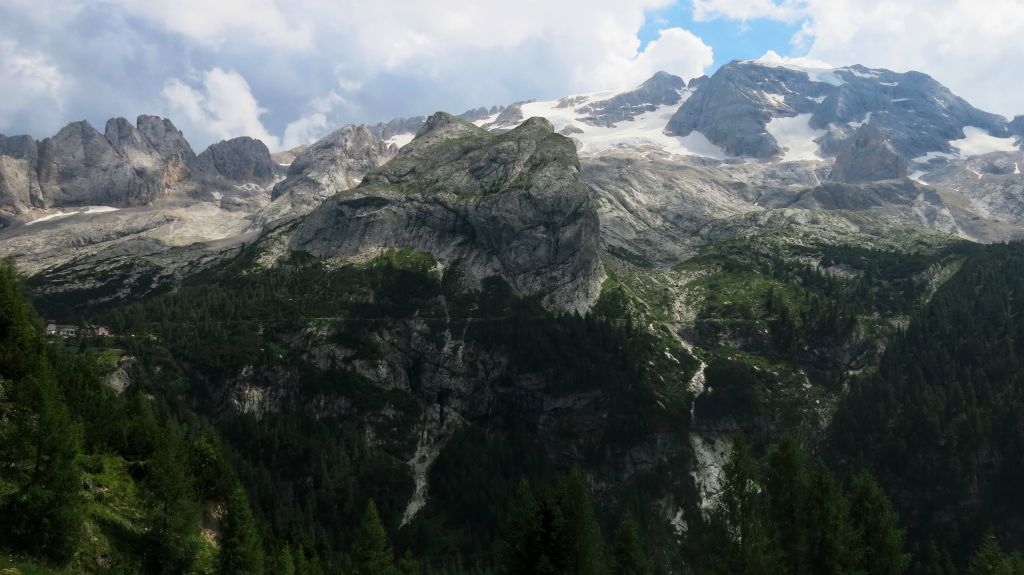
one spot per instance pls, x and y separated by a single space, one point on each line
880 547
174 512
371 552
786 485
522 539
990 559
240 550
742 544
630 557
582 540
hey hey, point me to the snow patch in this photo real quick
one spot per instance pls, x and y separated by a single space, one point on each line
796 137
867 118
934 155
978 142
400 140
647 129
777 100
917 175
816 70
1016 168
61 214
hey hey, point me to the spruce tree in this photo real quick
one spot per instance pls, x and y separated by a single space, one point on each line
371 552
240 550
786 485
630 557
741 540
880 547
583 543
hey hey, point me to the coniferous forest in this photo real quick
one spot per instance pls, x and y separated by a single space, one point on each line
919 470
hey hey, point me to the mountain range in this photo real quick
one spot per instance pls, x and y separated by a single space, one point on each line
607 285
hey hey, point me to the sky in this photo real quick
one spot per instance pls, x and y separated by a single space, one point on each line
289 72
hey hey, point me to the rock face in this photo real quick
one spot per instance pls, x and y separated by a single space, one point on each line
127 165
240 160
916 114
867 157
512 205
335 163
662 89
734 106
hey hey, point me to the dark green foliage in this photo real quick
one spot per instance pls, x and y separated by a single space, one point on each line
371 551
172 537
240 549
876 526
791 516
941 422
39 441
990 559
555 533
630 558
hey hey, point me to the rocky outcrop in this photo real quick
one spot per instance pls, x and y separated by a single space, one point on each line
867 157
127 165
661 89
734 107
512 205
333 164
239 160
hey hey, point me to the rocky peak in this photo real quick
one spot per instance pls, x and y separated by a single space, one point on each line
19 147
239 160
661 89
867 157
512 205
335 163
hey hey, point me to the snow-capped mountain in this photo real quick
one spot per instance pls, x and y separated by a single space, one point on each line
672 165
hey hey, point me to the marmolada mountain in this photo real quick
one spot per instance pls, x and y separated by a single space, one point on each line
766 321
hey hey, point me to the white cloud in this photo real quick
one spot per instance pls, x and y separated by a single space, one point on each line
675 50
971 47
304 130
262 22
32 84
744 10
222 107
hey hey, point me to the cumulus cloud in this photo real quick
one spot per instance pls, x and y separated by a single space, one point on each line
31 83
220 107
388 57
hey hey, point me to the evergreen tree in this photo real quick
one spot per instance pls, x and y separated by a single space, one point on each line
990 559
880 547
240 550
630 557
786 485
582 539
371 552
174 512
742 544
522 540
46 512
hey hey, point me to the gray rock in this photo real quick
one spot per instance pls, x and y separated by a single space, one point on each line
732 108
19 147
915 113
397 126
239 160
661 89
867 157
512 205
335 163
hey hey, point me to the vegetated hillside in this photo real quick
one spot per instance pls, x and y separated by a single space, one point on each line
941 421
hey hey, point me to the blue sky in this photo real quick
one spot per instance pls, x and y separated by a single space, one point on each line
290 71
730 39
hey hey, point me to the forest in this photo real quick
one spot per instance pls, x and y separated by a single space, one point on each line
918 472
